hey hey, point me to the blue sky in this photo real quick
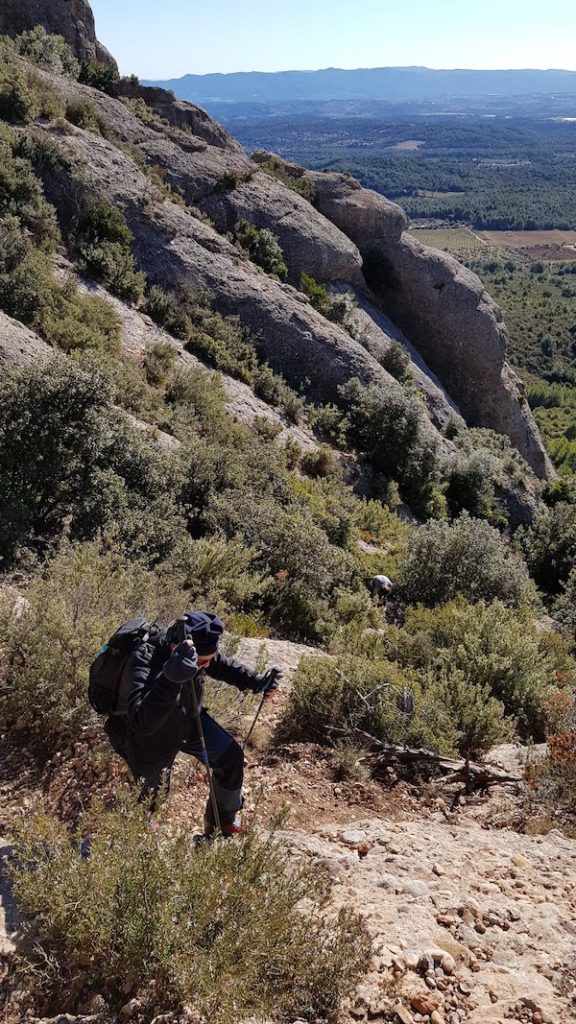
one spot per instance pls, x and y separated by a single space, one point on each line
171 38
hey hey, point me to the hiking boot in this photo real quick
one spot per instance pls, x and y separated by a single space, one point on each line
229 828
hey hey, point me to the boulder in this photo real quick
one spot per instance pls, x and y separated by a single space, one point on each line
72 19
311 244
365 216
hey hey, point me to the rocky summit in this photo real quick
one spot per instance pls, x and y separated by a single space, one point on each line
72 19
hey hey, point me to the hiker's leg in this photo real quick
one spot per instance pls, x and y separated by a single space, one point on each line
154 781
226 760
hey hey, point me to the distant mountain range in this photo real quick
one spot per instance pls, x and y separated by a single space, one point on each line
389 85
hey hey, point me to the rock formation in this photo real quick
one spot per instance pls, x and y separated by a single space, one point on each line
442 307
72 19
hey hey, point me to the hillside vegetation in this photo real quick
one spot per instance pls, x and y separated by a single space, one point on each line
129 482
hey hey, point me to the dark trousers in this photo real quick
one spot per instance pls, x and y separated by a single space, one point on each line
225 758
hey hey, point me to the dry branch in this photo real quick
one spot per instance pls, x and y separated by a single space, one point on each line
471 773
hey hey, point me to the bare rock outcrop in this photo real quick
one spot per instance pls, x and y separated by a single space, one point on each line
208 167
452 328
443 308
139 333
72 19
311 244
20 346
173 245
365 216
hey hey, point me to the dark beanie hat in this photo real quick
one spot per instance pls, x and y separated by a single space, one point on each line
204 630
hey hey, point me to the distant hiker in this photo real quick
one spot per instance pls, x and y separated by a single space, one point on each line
155 718
381 588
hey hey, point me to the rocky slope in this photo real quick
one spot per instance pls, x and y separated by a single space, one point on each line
450 327
174 245
442 307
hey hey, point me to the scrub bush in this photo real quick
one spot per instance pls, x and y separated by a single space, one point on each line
468 558
262 247
234 930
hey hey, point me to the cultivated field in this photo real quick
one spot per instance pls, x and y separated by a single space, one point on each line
454 240
548 246
540 245
409 145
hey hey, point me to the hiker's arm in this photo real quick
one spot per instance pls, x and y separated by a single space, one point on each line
226 670
151 701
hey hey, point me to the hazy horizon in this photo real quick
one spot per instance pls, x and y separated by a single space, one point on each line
380 67
226 38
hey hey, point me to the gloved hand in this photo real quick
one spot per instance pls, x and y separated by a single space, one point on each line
269 682
183 664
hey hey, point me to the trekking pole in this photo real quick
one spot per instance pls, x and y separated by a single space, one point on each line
253 726
181 624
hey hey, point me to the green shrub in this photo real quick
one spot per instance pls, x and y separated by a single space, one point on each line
292 177
18 100
85 114
49 52
230 180
329 421
470 485
104 243
74 321
334 307
494 648
476 715
565 605
220 573
468 558
25 275
223 343
100 76
145 113
392 431
160 362
67 456
49 640
366 693
319 463
550 546
262 247
24 94
233 930
21 194
273 389
169 310
396 360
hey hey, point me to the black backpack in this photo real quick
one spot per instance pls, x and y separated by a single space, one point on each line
106 692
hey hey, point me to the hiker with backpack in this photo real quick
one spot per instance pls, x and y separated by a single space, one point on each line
150 683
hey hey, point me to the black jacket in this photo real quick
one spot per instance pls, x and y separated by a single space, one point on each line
161 713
